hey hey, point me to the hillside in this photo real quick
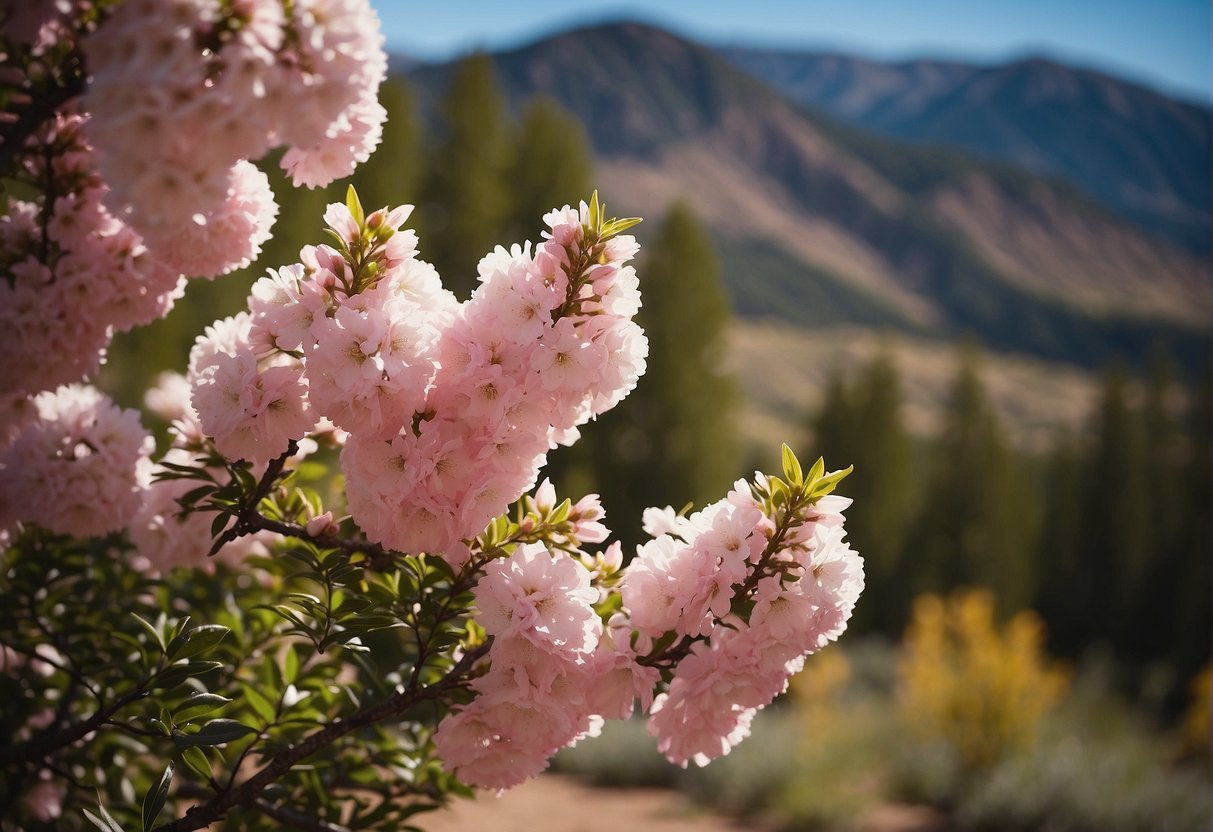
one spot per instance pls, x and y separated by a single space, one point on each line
1033 398
1140 153
818 223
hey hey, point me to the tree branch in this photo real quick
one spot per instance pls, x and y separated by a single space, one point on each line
295 819
248 515
44 745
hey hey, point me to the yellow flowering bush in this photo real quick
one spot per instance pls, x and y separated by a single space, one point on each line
965 680
1197 736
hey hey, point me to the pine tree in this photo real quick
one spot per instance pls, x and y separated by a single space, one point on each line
463 205
1116 531
861 425
550 167
978 524
673 438
392 175
1064 596
1189 649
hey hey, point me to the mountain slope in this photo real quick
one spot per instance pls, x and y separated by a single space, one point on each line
1138 152
819 223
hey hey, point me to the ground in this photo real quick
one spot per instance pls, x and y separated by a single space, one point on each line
552 803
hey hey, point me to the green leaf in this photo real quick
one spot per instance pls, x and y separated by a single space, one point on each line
595 213
106 822
290 665
819 468
826 484
194 495
215 732
355 205
153 801
196 760
779 491
219 523
198 640
791 467
175 674
562 511
159 639
198 705
260 705
618 226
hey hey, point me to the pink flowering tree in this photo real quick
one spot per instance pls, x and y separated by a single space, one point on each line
339 591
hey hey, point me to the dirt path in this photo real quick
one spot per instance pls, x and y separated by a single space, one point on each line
552 803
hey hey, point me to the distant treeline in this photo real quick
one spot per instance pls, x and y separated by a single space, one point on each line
1107 536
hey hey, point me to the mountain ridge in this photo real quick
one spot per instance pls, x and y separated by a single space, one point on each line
1136 150
840 214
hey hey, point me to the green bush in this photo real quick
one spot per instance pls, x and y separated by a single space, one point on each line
1082 786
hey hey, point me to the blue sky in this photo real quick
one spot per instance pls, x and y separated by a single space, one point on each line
1164 43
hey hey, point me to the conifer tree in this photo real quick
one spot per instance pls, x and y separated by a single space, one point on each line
1163 455
392 175
674 436
463 204
862 423
550 167
979 525
1190 649
1116 530
1065 598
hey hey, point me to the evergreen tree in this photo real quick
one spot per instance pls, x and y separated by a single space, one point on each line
551 167
1064 596
1189 648
1116 530
392 175
833 429
1163 457
978 523
861 425
673 438
463 205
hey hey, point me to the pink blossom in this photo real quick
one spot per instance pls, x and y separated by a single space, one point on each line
75 469
543 598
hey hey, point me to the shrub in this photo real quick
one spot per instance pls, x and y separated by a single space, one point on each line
979 688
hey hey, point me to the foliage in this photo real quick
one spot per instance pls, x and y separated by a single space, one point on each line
550 165
1197 732
1108 580
981 688
464 198
861 420
979 524
1088 784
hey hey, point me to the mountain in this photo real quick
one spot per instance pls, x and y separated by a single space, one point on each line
1140 153
820 223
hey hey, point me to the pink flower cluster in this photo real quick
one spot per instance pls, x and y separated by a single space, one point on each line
545 342
184 90
727 603
450 409
554 674
77 273
76 468
252 403
799 584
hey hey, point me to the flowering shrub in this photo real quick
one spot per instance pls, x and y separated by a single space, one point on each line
198 634
981 688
